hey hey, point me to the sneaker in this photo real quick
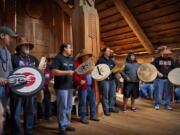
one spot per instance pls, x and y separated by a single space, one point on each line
107 113
157 107
115 110
133 109
94 118
169 108
84 121
62 132
71 129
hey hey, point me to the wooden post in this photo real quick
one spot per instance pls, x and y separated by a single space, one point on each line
64 7
86 35
133 24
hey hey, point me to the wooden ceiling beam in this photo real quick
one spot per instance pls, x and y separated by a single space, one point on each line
129 46
114 25
163 27
104 5
128 51
156 13
106 13
133 24
166 33
116 32
124 41
166 40
110 19
119 37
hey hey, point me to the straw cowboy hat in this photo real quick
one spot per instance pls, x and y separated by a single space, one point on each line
167 51
85 52
164 50
23 41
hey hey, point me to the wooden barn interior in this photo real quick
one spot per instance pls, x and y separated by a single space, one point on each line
138 26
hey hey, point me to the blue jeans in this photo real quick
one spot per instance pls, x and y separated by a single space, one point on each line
64 107
108 92
4 99
177 93
147 87
162 86
83 96
3 96
27 103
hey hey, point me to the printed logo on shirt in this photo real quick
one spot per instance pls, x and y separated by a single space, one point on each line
67 64
21 63
165 63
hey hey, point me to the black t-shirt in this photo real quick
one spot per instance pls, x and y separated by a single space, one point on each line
164 65
63 63
177 63
20 61
110 62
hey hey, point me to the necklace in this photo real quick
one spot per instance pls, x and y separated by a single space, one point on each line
4 60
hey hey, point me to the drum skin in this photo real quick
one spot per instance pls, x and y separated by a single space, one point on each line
86 67
147 72
35 81
101 72
174 76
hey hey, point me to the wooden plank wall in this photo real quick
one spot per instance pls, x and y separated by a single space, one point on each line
47 32
1 12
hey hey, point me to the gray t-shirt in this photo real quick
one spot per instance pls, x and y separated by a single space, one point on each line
5 62
131 71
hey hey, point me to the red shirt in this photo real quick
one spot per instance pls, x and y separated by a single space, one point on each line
77 79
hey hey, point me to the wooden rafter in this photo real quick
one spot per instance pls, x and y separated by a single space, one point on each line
133 24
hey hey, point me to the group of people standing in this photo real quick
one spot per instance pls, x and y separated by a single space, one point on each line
66 80
16 102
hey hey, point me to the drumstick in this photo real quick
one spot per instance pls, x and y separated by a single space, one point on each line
99 70
42 62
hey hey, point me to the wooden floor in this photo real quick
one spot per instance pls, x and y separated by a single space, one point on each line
146 121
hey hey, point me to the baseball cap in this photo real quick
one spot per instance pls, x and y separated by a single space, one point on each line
7 30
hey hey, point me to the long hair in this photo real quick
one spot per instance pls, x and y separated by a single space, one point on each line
128 59
62 46
103 51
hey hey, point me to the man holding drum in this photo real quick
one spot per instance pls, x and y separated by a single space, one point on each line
84 84
22 58
108 86
164 65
